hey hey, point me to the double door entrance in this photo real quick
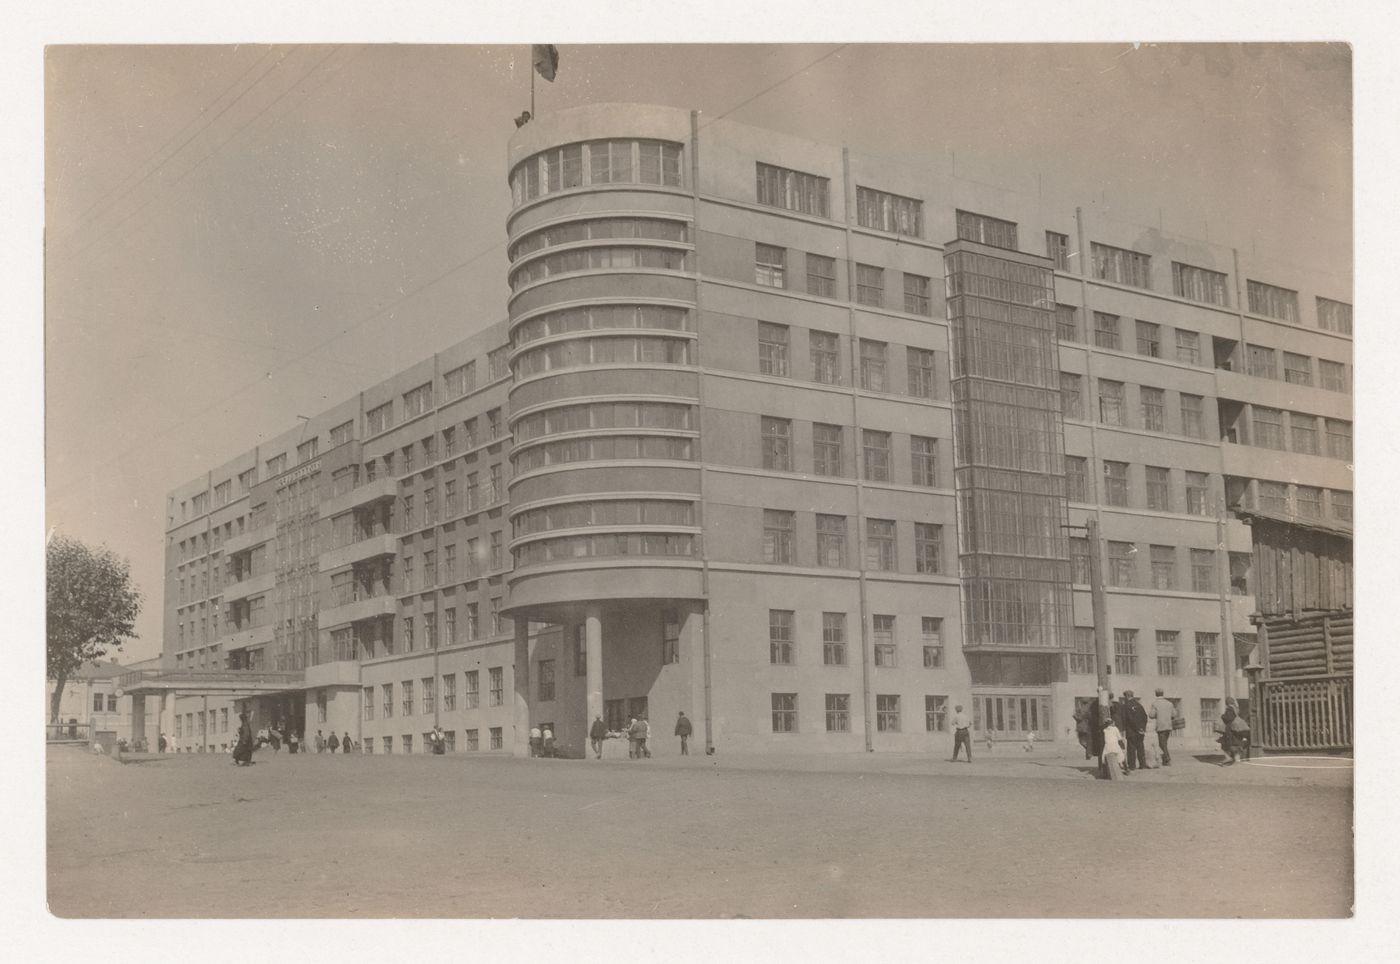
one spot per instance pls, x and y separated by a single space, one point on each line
1006 716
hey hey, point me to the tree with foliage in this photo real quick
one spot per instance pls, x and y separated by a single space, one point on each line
92 607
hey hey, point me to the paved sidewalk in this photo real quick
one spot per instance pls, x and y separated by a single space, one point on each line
1189 765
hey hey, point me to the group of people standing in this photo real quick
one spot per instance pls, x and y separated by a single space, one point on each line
247 742
638 733
1120 740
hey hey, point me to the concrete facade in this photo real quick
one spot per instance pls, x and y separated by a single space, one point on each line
706 464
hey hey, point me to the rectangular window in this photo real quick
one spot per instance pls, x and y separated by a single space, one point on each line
1122 570
1154 409
429 695
1199 284
1272 301
1106 331
920 364
471 689
872 365
1067 323
1261 362
777 443
670 637
1115 483
931 628
793 190
545 680
1121 266
784 712
876 448
1188 347
831 541
923 453
276 465
1273 497
1332 376
1111 408
1297 369
838 712
880 544
889 212
936 714
780 637
1209 716
887 713
778 529
1207 655
773 349
1149 339
1203 571
379 419
821 276
826 357
1193 416
928 548
246 481
1334 315
986 230
917 298
1125 652
1071 395
826 449
1077 479
1083 660
1057 249
498 685
417 401
833 639
473 740
307 450
1268 427
1079 560
883 638
388 702
1339 439
1308 500
1168 652
460 380
497 737
1163 567
449 692
1159 488
870 285
770 265
1341 506
1303 432
407 689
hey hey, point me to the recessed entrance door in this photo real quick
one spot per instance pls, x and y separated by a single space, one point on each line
1011 717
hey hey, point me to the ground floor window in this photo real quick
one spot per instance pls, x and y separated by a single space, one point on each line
887 714
496 740
388 744
1210 715
1012 716
936 714
838 712
450 738
473 741
784 712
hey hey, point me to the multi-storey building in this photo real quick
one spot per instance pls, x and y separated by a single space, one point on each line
796 439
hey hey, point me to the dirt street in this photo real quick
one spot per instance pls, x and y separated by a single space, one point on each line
459 836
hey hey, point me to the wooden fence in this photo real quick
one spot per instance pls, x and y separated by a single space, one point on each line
1302 713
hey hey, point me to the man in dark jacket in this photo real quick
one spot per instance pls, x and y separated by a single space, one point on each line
345 743
683 731
1135 720
334 742
243 749
597 733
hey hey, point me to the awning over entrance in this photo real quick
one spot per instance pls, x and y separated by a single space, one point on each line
145 682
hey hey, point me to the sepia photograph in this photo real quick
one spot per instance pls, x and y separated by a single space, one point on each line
698 481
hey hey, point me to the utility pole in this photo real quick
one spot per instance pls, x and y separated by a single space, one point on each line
1100 610
1222 567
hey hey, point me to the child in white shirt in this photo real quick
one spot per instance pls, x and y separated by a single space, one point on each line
1113 751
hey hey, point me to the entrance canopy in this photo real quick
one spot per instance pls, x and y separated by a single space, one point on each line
147 682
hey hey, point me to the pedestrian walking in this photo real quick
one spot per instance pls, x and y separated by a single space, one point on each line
962 733
1162 714
334 743
161 743
536 741
345 744
643 745
1135 724
243 748
597 733
320 742
1113 747
683 731
634 733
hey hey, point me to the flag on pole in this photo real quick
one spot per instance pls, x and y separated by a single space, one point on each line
546 58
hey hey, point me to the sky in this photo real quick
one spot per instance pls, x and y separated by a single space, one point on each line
238 235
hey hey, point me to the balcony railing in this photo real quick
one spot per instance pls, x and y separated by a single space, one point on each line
354 592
